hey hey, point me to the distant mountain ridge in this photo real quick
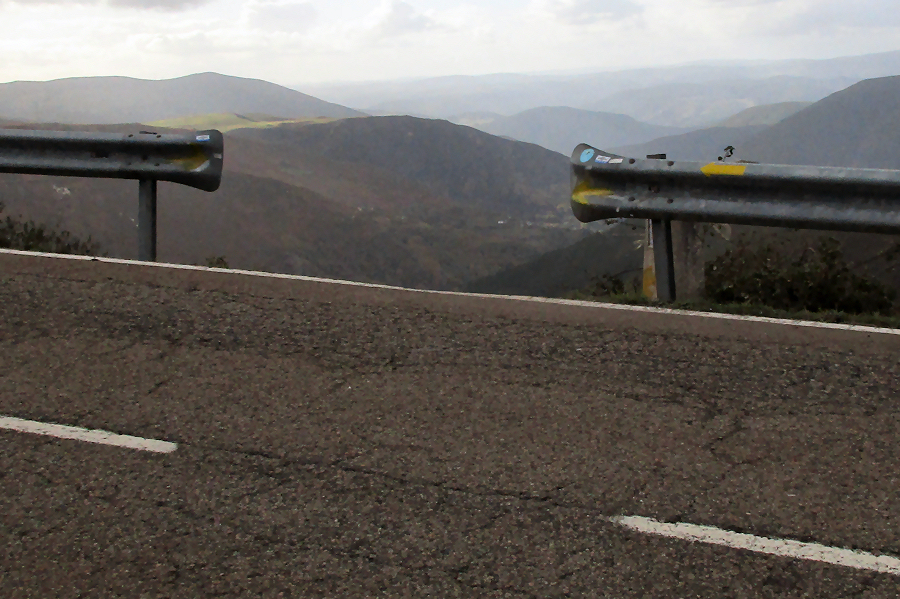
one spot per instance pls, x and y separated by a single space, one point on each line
764 114
508 94
855 127
701 145
107 100
706 103
561 128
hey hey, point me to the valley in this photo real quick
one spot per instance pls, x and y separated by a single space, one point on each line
476 201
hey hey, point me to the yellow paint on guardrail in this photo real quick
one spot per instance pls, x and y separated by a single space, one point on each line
193 161
714 168
582 190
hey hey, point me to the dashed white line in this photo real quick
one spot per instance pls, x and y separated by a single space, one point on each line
82 434
689 532
520 298
785 548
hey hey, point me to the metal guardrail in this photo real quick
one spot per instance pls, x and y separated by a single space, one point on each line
607 186
194 159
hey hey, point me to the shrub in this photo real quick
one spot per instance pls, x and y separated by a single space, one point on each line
217 262
31 237
816 280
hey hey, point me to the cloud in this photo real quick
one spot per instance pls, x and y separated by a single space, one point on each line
158 4
839 14
815 16
588 12
138 4
282 16
400 18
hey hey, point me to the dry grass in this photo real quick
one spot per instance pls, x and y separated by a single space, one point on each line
229 121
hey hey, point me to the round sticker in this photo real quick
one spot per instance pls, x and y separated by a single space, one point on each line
587 155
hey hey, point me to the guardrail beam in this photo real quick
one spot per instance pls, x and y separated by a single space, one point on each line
194 159
606 186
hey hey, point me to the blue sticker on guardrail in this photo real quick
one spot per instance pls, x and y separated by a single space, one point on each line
587 155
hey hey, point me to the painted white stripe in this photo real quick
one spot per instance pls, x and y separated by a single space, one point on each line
784 548
689 532
521 298
82 434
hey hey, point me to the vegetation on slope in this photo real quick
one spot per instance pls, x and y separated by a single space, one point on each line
28 236
465 166
778 274
818 279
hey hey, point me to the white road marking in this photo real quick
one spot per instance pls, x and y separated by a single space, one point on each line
82 434
784 548
521 298
689 532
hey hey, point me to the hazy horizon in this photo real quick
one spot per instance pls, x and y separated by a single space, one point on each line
315 42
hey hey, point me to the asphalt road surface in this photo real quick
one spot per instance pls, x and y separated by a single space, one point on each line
341 441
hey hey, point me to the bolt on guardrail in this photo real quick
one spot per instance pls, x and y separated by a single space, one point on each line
193 159
607 186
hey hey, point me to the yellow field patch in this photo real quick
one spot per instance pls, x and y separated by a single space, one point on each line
228 122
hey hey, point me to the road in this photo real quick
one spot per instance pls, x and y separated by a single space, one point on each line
346 441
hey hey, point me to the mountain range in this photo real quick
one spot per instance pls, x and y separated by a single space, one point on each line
107 100
855 127
376 199
694 95
701 145
561 128
316 188
698 104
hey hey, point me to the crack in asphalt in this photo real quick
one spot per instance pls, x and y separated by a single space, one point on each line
543 499
721 386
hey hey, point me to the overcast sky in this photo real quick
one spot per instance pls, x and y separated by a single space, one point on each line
295 41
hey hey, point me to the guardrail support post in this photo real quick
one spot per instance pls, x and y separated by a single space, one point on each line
687 249
147 220
664 260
